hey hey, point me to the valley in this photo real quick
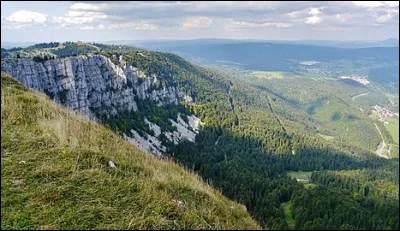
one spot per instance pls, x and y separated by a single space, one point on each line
340 109
276 141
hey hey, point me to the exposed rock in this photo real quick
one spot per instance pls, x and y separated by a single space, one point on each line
111 164
149 144
178 202
156 129
195 123
92 82
184 130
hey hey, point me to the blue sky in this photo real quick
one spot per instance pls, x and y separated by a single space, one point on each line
102 20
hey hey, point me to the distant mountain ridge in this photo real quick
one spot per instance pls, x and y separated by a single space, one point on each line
390 42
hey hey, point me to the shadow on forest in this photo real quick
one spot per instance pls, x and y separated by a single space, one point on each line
243 169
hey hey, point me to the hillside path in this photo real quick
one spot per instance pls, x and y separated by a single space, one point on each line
381 146
355 97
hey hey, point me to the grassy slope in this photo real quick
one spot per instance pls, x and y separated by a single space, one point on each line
305 176
393 128
54 175
287 207
267 74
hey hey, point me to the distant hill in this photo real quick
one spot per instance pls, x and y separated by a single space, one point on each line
391 42
8 45
275 56
155 44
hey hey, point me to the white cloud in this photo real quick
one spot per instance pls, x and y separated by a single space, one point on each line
341 18
314 11
368 4
73 13
374 4
65 21
89 7
384 18
79 17
231 6
390 13
293 14
135 25
26 16
266 18
199 22
311 15
313 20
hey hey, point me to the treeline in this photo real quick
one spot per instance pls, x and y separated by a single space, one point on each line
378 183
325 208
43 45
41 58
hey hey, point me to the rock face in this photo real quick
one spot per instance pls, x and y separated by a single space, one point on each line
184 131
91 82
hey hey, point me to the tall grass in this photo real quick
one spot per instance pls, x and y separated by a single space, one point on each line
54 175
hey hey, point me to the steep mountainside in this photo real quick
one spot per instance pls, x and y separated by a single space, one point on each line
242 138
60 171
93 85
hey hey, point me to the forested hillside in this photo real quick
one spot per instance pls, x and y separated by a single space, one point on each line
252 138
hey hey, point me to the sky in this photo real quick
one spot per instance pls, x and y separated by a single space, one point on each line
104 21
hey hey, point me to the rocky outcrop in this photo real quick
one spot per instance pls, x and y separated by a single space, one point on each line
90 83
93 84
184 131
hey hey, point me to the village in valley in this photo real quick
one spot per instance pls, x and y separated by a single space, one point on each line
383 113
356 78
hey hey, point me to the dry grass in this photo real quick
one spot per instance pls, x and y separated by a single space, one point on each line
54 175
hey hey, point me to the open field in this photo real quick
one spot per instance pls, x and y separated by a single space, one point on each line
287 206
393 128
303 177
300 175
268 74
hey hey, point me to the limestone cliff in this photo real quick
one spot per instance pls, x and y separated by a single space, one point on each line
94 83
90 82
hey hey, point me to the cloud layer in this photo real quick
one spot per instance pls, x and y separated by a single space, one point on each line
218 18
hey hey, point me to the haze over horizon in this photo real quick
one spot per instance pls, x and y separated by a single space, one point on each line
117 21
